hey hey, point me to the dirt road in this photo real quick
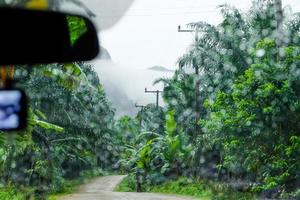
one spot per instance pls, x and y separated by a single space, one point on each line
102 189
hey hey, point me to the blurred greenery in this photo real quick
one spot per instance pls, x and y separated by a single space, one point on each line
231 118
10 193
233 103
68 133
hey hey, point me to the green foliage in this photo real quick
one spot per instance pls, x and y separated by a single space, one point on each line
179 94
77 28
70 124
11 194
183 186
151 119
244 95
127 129
227 195
68 133
261 115
156 156
128 184
188 187
170 123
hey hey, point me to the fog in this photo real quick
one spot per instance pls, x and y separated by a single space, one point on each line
125 86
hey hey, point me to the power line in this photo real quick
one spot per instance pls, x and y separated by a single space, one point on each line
295 2
140 106
155 9
193 12
160 14
292 1
185 30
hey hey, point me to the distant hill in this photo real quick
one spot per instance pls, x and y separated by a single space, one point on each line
123 104
160 69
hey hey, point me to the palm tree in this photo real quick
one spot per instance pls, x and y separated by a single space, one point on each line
221 53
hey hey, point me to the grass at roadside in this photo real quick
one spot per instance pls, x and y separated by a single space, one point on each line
10 193
126 185
183 186
188 187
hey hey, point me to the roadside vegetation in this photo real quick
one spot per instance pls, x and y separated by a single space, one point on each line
70 135
203 190
232 111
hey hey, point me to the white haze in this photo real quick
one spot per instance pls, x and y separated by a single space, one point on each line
130 82
147 36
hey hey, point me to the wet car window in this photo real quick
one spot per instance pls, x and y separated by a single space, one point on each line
189 98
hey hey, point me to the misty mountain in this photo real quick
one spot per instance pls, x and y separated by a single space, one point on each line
160 69
119 100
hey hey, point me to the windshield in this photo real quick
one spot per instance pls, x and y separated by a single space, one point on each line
187 99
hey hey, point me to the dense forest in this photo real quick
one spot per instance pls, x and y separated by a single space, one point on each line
70 130
232 119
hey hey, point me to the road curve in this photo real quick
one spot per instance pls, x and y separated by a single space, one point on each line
102 189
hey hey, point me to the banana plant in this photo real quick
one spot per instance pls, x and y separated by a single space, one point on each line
155 154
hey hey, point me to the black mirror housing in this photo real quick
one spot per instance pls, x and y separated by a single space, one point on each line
43 37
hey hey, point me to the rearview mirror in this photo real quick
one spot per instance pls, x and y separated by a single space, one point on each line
42 37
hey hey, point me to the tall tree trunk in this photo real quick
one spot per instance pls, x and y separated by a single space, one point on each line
279 20
138 182
197 101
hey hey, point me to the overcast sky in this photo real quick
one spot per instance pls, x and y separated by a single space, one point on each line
145 35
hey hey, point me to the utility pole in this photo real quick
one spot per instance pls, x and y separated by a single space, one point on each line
279 19
196 39
140 106
157 95
142 110
197 105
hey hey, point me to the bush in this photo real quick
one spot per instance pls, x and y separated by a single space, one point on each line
127 185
